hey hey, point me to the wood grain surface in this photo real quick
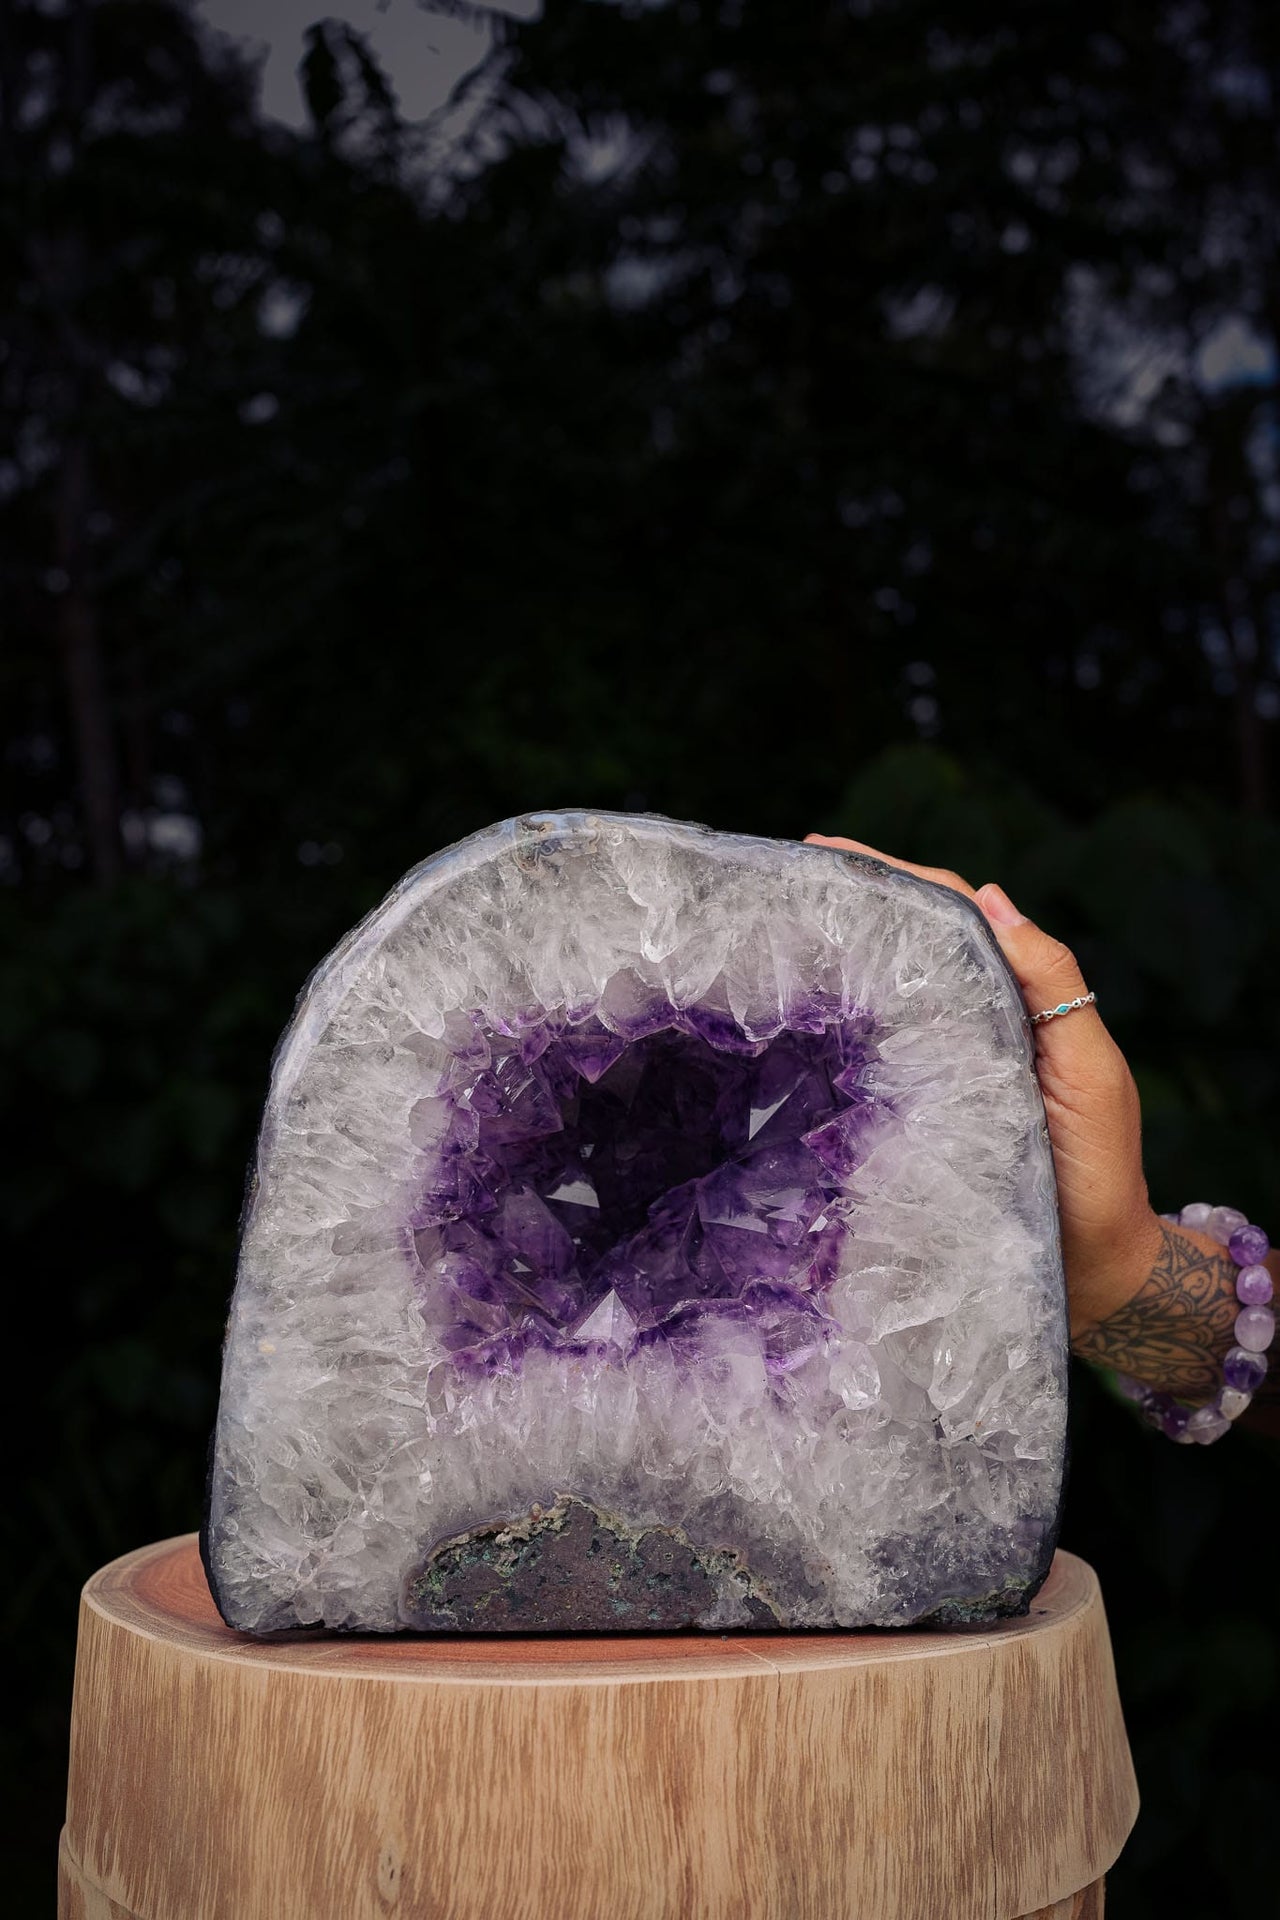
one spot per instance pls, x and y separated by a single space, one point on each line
1085 1905
975 1775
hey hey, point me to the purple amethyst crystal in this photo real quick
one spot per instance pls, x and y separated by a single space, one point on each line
695 1171
625 1183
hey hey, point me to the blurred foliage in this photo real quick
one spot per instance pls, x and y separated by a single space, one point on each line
867 428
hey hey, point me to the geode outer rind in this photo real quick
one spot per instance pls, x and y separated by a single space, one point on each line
692 1182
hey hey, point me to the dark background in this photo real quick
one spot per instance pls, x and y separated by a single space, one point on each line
782 414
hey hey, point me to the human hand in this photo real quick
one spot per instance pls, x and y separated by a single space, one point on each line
1111 1238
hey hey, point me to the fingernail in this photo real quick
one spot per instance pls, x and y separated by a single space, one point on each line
998 907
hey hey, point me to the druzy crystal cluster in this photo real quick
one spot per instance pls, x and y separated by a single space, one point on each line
649 1227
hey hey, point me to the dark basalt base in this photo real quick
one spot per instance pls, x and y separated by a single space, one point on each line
574 1568
1010 1602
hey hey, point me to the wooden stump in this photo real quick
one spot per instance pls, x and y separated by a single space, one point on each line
976 1775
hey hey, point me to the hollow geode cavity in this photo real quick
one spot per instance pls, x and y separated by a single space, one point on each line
650 1226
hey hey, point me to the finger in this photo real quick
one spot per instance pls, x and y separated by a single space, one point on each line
1046 970
940 876
1092 1106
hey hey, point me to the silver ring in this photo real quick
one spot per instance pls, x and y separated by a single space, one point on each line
1068 1006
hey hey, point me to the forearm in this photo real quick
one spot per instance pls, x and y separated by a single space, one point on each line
1171 1323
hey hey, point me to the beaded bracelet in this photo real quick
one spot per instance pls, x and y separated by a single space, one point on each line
1245 1367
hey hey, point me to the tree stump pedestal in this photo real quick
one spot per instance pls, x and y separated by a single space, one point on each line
974 1775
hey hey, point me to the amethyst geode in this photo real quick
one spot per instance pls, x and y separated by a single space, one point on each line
650 1226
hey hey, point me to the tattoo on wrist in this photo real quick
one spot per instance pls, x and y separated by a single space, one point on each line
1174 1332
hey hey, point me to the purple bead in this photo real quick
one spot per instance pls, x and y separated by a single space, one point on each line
1230 1402
1174 1420
1248 1245
1207 1424
1253 1286
1255 1328
1244 1370
1132 1389
1197 1215
1223 1222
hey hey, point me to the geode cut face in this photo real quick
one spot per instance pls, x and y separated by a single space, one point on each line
650 1226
